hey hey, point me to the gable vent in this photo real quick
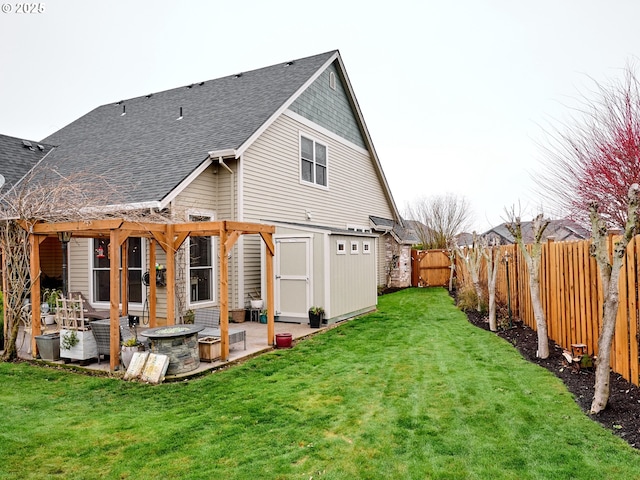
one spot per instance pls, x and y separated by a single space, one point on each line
332 80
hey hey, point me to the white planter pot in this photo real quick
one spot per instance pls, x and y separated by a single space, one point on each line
257 304
85 349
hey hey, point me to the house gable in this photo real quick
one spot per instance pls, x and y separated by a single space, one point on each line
326 103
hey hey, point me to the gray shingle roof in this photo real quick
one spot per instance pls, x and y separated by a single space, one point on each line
17 158
147 152
403 234
560 229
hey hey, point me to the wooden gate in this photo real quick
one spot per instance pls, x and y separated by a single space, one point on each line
430 268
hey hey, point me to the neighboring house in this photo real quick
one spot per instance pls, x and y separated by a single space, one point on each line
284 145
17 158
561 230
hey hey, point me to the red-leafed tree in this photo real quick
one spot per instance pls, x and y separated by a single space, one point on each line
592 173
596 156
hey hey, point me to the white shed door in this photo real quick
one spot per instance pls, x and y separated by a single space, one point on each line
292 287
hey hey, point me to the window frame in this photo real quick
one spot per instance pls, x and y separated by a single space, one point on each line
314 164
356 250
192 217
341 247
94 280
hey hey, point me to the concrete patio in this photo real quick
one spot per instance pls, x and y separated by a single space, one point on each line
256 336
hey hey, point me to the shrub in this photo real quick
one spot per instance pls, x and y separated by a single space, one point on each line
467 300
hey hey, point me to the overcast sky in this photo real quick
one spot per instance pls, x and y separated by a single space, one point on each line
454 93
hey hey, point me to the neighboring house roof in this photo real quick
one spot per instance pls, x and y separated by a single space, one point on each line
464 239
399 231
18 157
561 230
153 145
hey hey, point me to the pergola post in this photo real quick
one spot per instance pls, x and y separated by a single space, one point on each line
114 276
224 293
34 267
171 276
152 283
267 238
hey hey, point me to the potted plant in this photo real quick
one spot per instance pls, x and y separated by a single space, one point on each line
316 316
77 343
50 298
263 316
128 348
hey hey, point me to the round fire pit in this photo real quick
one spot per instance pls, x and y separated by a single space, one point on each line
179 343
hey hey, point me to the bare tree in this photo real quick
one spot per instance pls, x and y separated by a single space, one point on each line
491 254
539 224
438 219
45 195
609 273
472 258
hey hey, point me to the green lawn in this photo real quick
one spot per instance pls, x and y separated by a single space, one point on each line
412 391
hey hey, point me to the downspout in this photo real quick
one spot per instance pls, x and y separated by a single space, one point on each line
231 197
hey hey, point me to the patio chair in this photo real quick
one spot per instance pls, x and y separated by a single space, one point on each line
210 319
102 333
88 309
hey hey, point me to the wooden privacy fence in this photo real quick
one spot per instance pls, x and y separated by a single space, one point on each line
572 297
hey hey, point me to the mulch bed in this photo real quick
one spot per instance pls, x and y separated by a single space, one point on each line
622 414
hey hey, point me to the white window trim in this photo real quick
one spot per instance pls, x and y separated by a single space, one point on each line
366 248
343 244
214 265
356 250
326 146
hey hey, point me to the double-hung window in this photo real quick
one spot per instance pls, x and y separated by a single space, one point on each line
200 266
101 275
313 161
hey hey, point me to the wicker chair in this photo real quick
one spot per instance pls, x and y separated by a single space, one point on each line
102 333
210 319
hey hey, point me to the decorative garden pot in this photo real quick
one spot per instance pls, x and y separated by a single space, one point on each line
283 340
49 346
315 319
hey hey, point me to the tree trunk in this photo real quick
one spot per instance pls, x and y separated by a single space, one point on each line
492 257
538 313
609 314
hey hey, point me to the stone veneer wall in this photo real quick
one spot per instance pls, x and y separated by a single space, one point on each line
398 260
